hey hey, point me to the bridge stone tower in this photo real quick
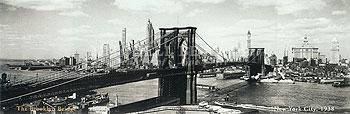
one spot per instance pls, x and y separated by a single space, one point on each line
256 61
177 50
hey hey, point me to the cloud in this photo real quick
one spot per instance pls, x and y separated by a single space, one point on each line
104 35
83 29
205 1
253 23
331 29
194 13
309 23
12 8
76 13
157 6
7 32
115 22
342 12
46 5
285 6
320 27
240 29
3 25
347 28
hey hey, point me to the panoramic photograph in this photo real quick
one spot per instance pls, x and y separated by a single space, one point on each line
174 56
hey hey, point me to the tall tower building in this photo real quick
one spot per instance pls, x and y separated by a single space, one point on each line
76 56
306 42
249 40
106 54
150 35
334 55
125 50
124 38
88 56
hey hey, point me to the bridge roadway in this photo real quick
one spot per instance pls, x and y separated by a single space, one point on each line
95 81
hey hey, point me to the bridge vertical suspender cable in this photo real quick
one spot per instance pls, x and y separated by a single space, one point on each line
210 46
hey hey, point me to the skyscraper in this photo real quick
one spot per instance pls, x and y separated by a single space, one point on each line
150 35
76 56
125 49
334 55
106 54
124 38
249 40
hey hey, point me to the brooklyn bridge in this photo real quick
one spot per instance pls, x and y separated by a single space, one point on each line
180 59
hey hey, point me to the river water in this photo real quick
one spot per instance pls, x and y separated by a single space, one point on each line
298 95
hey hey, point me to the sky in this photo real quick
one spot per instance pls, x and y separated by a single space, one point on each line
46 29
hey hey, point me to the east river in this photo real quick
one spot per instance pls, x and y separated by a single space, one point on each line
298 97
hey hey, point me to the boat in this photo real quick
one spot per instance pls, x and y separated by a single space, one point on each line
270 80
56 101
96 99
230 73
340 84
313 80
225 104
288 81
207 74
330 81
99 110
253 78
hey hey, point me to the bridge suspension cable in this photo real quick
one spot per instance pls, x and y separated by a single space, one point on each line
210 47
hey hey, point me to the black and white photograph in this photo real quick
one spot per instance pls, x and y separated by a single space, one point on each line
174 56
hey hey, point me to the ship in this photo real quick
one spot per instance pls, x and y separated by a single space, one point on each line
230 74
207 74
